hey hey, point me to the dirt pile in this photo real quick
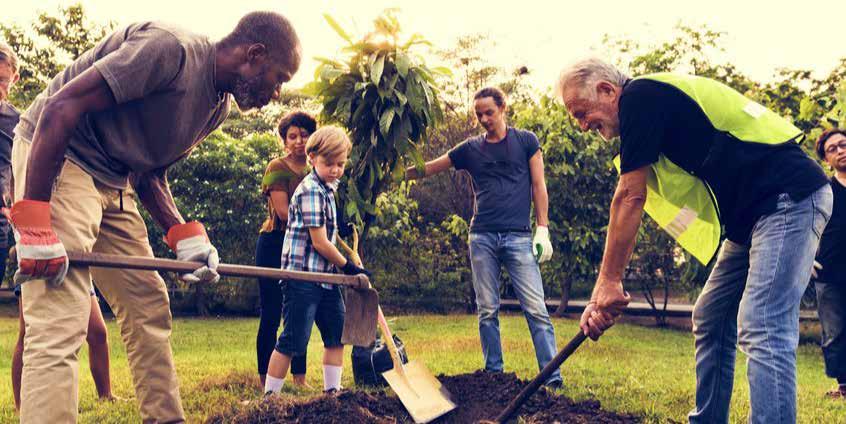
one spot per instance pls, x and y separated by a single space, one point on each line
479 396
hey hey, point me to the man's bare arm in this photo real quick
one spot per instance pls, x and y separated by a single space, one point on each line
87 92
626 215
539 194
154 193
432 167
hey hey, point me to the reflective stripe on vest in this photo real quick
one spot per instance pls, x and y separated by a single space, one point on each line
684 205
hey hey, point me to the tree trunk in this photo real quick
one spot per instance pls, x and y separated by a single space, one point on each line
666 300
646 289
566 283
470 294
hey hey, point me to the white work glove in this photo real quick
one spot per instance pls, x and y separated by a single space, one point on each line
191 243
541 246
817 267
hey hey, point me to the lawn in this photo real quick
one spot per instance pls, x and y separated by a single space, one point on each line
633 369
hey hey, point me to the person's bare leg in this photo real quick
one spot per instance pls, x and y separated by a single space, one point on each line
98 351
333 356
278 365
277 368
17 360
300 380
298 370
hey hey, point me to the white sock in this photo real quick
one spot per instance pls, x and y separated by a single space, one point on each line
332 377
273 384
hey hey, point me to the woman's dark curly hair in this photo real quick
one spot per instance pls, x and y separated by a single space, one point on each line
296 119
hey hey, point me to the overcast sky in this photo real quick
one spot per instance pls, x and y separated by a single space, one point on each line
543 35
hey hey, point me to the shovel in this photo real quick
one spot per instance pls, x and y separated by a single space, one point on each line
359 331
420 392
533 385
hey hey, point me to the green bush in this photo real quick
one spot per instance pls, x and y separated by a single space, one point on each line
580 181
418 265
218 185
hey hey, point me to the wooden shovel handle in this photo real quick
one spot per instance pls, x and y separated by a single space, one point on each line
389 341
547 371
172 265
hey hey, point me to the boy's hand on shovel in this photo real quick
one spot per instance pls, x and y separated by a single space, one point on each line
607 303
350 268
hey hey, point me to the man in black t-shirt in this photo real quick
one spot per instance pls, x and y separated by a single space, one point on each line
830 272
706 156
506 165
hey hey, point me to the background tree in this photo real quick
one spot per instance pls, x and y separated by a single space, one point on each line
387 98
53 42
580 181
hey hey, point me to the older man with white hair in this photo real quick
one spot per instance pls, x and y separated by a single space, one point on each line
698 156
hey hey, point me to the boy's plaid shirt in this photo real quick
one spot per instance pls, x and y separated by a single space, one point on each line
312 206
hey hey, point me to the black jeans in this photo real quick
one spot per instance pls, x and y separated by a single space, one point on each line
831 308
269 254
4 256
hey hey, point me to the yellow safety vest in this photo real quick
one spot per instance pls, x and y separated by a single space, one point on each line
683 204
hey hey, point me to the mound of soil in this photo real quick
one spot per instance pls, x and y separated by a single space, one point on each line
482 396
479 396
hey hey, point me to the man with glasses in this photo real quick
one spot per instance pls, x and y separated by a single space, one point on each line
506 165
830 267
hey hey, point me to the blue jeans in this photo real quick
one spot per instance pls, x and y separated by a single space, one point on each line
751 300
305 305
488 251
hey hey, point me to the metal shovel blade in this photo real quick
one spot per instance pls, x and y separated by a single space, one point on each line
360 318
426 399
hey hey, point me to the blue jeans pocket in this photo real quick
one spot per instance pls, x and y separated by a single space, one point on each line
823 202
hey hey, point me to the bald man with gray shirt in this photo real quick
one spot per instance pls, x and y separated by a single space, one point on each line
133 105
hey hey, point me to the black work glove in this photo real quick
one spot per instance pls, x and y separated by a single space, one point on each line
351 269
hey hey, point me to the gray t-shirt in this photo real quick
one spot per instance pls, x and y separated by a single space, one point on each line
162 78
502 181
9 117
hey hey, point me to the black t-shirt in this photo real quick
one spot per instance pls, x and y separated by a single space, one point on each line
832 252
9 117
502 181
746 178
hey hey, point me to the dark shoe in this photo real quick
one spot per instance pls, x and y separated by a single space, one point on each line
838 393
555 385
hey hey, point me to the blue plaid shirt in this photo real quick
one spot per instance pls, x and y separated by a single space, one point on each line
311 206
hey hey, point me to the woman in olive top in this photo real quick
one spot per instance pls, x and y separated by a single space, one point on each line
282 176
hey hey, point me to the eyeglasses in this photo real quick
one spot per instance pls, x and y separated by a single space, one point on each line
830 150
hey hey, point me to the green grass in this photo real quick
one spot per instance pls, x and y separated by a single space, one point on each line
633 369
